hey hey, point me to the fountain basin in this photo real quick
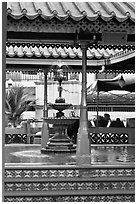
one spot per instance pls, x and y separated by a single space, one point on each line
100 155
60 106
60 142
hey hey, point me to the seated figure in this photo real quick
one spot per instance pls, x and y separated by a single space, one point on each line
117 123
72 130
102 120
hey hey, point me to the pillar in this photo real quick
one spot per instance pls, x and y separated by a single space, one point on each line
45 110
45 131
28 131
83 152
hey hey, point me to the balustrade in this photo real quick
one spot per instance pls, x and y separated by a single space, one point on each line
99 135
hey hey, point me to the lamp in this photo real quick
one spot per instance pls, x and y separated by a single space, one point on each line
10 82
121 82
102 69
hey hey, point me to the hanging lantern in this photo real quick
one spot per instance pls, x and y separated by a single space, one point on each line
121 82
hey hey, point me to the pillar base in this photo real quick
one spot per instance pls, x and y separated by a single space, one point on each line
83 159
44 135
37 140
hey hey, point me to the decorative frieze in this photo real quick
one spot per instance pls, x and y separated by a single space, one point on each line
108 184
62 186
82 198
69 173
69 26
47 173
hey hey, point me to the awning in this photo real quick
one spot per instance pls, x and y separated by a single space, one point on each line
125 82
112 98
74 10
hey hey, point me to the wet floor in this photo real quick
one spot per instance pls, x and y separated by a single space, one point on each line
104 155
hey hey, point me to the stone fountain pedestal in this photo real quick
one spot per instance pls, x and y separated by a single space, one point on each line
60 142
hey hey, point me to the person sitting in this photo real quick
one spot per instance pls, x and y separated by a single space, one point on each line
106 119
72 130
117 123
102 121
91 123
97 121
72 114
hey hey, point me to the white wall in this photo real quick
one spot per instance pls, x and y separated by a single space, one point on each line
28 115
71 92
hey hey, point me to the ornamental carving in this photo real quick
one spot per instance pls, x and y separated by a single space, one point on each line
68 26
63 186
68 173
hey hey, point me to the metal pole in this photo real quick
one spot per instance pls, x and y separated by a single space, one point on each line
45 110
28 132
45 131
83 152
97 104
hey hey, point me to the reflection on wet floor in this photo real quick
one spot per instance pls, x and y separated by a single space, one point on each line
104 155
112 155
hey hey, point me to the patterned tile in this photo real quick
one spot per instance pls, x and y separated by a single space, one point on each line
82 198
60 186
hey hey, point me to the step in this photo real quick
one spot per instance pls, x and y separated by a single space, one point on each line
71 198
70 179
36 170
62 187
68 193
61 183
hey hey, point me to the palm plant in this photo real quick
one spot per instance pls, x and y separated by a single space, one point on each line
16 102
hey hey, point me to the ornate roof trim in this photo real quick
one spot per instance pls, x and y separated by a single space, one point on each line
74 10
27 50
71 62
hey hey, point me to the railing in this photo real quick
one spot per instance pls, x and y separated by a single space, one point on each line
98 135
24 134
15 135
110 135
36 76
112 108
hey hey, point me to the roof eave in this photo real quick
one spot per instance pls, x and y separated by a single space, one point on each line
78 62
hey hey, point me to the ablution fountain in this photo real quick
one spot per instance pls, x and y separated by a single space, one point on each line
60 149
60 142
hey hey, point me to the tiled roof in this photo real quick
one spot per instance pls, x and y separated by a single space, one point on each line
108 98
75 10
29 51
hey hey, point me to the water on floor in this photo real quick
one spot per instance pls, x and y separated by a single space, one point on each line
104 155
